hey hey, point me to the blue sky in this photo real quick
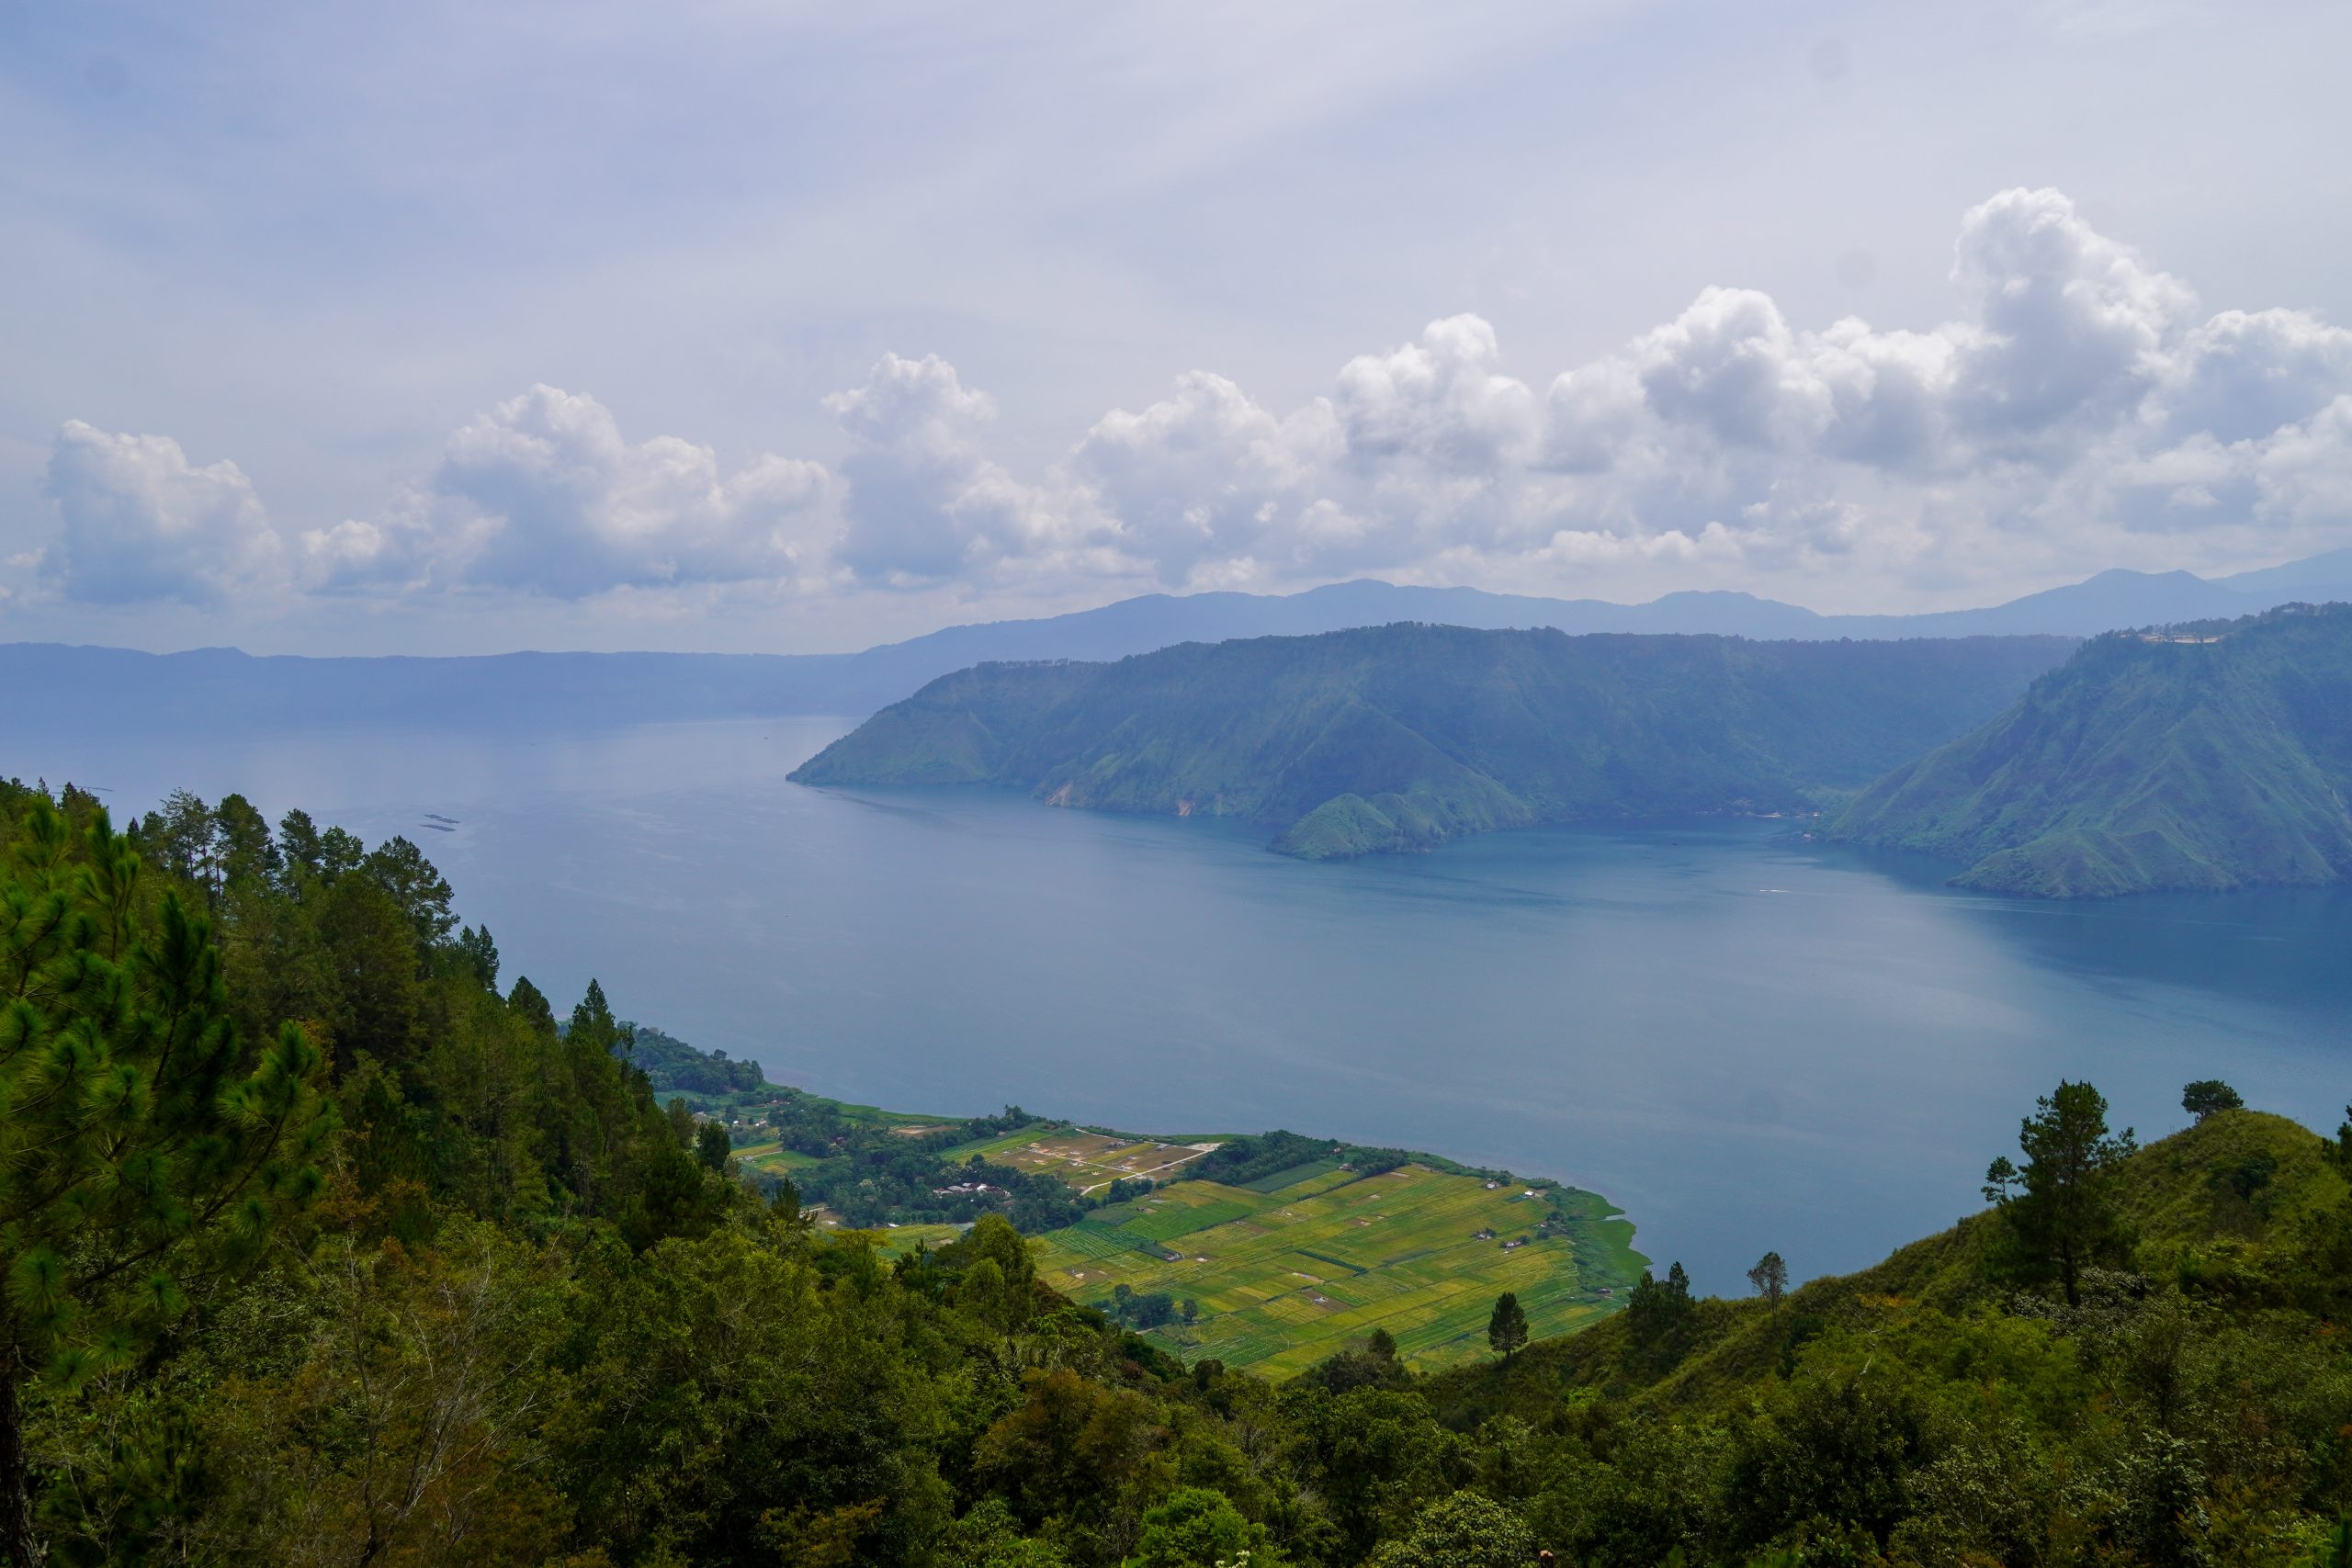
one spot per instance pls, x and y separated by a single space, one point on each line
446 327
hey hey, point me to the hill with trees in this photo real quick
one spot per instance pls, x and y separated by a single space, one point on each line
1403 737
2206 756
317 1246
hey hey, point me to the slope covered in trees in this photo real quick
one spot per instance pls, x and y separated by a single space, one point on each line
1402 737
2211 756
319 1248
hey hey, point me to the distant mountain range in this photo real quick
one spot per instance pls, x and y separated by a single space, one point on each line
2218 759
1403 735
53 684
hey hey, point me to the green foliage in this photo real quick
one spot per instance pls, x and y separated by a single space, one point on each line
518 1317
1464 1531
670 1064
1506 1327
2147 765
148 1149
2205 1097
1197 1527
1402 737
1770 1278
2061 1210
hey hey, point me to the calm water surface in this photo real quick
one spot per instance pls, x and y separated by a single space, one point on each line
1747 1041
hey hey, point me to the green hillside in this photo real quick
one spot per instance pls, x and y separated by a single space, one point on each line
320 1247
1403 737
2217 756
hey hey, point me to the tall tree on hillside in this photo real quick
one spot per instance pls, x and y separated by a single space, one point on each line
1771 1279
1506 1329
146 1148
2207 1096
2060 1207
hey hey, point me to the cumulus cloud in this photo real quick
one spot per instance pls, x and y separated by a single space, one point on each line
2075 402
543 494
925 501
143 523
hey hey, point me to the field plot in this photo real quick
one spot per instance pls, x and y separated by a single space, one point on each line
1088 1161
1283 1279
771 1158
898 1240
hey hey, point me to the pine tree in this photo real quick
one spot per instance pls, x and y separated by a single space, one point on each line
1506 1329
1771 1279
146 1149
2060 1207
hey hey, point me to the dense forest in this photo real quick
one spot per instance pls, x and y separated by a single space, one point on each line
2209 755
1402 737
321 1243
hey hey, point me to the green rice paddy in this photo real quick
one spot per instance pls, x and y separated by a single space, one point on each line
1285 1277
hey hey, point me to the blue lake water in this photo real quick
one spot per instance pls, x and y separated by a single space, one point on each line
1746 1040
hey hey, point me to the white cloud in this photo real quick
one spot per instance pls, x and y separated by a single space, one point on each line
2074 415
2072 327
143 523
925 501
543 494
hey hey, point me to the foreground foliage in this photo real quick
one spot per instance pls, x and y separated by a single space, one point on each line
521 1317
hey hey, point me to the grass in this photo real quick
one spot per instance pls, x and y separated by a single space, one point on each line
1284 1278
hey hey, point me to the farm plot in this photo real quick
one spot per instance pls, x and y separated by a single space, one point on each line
1280 1279
772 1157
1088 1161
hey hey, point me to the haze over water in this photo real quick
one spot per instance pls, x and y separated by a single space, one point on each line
1746 1040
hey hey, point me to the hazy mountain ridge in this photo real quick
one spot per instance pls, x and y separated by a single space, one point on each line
58 686
1403 737
2147 765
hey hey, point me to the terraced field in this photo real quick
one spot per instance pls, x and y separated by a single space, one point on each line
1283 1277
1088 1161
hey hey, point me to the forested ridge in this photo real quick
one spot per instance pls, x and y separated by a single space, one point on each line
1403 737
2209 755
321 1243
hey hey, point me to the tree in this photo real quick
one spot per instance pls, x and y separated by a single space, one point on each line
480 954
147 1148
421 892
1464 1531
1506 1329
1660 1307
1196 1527
712 1146
1771 1279
2207 1096
2060 1207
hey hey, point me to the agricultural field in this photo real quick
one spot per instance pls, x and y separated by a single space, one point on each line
898 1240
1087 1161
1291 1268
772 1157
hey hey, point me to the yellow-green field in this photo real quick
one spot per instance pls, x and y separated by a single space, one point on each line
1284 1278
1088 1161
895 1240
772 1157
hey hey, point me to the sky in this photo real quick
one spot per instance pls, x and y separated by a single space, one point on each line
461 327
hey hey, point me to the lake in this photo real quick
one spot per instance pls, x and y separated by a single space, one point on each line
1746 1040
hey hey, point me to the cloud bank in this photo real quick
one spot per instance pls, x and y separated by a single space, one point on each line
2078 410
